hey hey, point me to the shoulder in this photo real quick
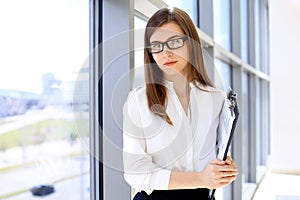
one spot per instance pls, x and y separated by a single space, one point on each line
136 97
137 93
214 92
135 109
216 96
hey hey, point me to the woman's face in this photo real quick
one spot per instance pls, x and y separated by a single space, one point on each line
171 61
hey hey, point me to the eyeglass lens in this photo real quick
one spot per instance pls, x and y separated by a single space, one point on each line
171 44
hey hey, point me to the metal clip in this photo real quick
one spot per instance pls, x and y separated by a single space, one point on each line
232 100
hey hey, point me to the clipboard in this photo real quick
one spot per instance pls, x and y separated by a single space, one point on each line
232 98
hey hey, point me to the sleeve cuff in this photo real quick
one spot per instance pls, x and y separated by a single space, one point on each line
160 179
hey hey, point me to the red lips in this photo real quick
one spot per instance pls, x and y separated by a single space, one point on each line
170 63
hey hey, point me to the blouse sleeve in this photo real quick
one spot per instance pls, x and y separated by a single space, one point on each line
139 170
224 128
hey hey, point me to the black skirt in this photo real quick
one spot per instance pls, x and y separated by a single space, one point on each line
184 194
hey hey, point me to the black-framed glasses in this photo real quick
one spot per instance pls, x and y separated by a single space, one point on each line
157 47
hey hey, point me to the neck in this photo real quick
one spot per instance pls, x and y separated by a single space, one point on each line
180 84
182 89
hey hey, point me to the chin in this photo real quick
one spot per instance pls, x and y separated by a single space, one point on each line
171 71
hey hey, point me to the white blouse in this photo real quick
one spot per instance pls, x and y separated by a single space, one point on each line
152 148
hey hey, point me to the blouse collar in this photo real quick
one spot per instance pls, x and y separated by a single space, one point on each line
170 85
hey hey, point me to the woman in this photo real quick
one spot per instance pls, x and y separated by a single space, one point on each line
170 125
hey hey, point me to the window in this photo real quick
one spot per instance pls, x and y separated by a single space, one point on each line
44 100
244 31
222 19
206 16
262 142
259 124
139 29
191 7
265 122
222 75
246 127
265 41
257 24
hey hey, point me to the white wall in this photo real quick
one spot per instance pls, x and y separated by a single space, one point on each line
285 84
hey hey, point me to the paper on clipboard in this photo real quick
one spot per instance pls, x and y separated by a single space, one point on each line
224 129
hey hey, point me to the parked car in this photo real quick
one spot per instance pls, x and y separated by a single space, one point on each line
42 190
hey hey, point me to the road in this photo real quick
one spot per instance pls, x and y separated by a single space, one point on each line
68 189
70 177
34 116
52 162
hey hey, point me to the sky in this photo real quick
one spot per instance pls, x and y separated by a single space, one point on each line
41 36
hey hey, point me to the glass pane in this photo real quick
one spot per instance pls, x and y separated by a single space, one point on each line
139 30
222 19
191 7
44 124
265 121
259 141
246 127
266 64
257 35
268 117
244 30
222 75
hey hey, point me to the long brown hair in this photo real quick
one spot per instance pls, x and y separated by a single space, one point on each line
155 89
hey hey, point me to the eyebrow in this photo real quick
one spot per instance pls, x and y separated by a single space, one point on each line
174 36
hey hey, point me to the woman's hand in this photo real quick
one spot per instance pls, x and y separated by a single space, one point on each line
219 173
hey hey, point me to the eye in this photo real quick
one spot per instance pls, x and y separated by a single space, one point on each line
175 43
155 47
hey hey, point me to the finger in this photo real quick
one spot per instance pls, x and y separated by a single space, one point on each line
227 174
228 168
218 162
229 160
230 177
228 171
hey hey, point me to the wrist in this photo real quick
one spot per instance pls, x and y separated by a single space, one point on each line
201 180
186 180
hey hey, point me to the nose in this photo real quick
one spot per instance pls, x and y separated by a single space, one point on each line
166 51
